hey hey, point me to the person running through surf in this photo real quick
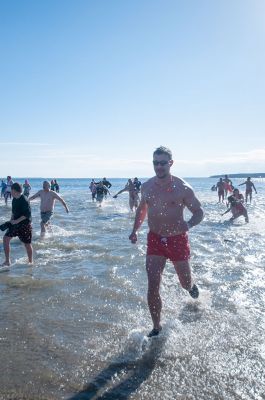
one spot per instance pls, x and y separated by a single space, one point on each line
47 202
249 186
163 199
220 190
236 207
133 194
19 224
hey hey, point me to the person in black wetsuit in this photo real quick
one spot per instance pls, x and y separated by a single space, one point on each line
137 184
106 183
19 224
101 191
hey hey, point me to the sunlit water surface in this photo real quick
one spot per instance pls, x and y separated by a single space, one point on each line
73 326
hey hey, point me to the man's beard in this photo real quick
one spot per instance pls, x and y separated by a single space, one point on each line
160 176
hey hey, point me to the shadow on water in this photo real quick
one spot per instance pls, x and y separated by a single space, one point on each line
131 374
191 312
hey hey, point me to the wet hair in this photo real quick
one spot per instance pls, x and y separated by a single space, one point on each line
16 187
163 150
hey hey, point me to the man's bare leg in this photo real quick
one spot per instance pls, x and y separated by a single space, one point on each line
29 252
131 203
6 242
154 269
184 273
43 228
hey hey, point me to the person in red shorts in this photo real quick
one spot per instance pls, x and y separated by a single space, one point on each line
164 198
236 206
19 225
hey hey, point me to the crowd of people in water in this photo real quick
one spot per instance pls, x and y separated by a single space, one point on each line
7 184
235 199
100 191
162 199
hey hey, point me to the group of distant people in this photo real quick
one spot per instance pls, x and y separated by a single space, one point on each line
236 199
100 190
6 188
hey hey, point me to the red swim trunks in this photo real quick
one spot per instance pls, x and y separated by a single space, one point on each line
175 248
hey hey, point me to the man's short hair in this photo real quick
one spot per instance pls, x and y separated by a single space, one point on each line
163 150
46 183
17 187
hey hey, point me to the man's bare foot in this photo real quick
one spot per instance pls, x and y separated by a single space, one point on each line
6 264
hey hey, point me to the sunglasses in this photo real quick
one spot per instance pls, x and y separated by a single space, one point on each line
162 163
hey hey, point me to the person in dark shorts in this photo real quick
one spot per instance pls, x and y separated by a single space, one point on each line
19 224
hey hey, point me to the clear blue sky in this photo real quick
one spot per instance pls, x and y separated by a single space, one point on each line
90 88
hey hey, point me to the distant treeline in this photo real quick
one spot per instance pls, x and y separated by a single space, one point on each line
254 175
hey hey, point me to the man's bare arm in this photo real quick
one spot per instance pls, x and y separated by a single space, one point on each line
17 221
139 219
34 196
61 201
194 206
121 191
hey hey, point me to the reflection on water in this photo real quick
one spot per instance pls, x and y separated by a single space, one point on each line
73 326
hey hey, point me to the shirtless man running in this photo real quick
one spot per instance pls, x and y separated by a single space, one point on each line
164 198
249 186
47 200
133 194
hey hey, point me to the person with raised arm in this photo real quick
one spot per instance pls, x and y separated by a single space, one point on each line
47 201
249 186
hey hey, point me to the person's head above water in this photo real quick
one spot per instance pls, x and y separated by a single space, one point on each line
46 185
162 162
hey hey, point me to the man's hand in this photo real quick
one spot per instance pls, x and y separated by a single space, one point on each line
133 237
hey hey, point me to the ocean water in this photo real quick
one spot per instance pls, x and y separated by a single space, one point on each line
73 325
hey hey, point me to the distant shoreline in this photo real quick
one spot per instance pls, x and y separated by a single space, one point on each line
241 175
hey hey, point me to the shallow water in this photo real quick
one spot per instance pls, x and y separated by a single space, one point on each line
73 326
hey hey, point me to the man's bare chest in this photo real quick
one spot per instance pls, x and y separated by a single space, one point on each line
164 199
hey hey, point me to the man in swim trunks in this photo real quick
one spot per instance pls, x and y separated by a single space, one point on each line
249 186
133 194
220 190
47 201
164 198
19 225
